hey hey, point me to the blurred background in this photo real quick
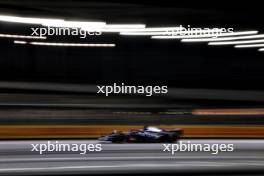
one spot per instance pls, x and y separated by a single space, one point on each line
49 91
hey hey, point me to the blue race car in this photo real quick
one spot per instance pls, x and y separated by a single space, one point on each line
146 135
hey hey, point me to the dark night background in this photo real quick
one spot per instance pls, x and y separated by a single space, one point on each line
135 59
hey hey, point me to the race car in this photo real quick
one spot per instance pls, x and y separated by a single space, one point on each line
146 135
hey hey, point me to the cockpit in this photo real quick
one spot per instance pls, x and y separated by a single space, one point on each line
152 129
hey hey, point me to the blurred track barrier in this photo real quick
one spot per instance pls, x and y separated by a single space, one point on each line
94 131
225 112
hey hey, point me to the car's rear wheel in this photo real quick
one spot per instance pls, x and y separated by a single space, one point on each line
119 139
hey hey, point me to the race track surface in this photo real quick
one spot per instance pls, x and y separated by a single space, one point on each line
16 158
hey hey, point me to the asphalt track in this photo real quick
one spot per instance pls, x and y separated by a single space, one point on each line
16 158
